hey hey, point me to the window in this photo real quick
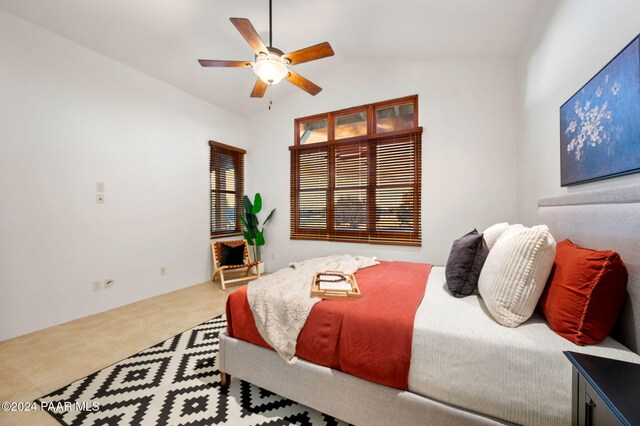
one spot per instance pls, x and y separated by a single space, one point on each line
226 176
351 124
313 131
355 175
394 117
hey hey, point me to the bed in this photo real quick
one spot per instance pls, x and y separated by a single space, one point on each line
465 368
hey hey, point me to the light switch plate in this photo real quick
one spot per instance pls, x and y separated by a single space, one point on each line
99 186
100 198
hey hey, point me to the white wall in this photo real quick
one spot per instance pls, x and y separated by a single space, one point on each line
574 39
470 125
69 118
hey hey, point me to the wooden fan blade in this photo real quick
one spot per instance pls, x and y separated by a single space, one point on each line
298 80
259 88
310 53
250 34
219 63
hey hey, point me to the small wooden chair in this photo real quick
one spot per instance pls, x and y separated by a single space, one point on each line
247 264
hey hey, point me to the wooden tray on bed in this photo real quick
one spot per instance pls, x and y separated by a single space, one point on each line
353 293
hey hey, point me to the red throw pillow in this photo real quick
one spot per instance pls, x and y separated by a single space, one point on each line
585 293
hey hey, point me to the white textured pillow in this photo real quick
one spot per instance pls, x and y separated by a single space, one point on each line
492 233
515 273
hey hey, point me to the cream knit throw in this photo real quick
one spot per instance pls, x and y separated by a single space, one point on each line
281 301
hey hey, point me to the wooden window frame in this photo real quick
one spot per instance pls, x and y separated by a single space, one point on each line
372 140
214 193
371 120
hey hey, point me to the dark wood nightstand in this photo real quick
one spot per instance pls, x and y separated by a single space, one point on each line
605 391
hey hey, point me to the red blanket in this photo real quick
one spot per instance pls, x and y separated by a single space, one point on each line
369 337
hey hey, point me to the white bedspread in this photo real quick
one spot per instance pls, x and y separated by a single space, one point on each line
461 356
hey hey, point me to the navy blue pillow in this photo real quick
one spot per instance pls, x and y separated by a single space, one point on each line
231 255
466 259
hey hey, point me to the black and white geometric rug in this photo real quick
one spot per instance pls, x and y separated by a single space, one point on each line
175 382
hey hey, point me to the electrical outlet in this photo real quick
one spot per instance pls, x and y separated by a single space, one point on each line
97 285
108 283
163 271
100 198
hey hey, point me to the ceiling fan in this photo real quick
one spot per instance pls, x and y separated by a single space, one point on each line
271 65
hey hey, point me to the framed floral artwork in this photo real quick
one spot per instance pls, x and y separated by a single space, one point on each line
600 124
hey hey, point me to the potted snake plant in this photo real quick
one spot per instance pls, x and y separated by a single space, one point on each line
253 231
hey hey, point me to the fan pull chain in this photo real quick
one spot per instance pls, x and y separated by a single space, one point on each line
270 103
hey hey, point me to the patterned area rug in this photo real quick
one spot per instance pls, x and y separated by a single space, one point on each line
175 382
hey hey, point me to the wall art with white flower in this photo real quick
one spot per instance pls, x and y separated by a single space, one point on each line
600 125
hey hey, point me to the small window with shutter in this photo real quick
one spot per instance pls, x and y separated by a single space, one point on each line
226 177
361 182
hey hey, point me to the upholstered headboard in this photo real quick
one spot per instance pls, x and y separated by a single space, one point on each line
604 219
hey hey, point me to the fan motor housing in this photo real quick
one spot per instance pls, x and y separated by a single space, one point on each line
273 51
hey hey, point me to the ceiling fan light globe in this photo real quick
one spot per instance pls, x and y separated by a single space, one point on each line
271 71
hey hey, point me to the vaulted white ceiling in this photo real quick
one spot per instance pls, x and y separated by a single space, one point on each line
164 38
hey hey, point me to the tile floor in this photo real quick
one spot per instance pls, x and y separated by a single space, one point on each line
38 363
